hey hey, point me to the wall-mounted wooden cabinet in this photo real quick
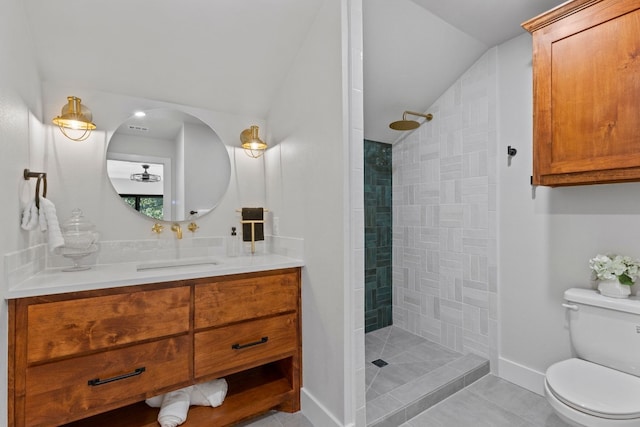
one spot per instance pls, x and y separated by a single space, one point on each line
91 358
586 91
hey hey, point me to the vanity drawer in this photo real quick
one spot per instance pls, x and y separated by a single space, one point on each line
60 392
75 326
244 345
231 301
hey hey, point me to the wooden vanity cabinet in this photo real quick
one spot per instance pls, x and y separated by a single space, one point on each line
91 358
586 87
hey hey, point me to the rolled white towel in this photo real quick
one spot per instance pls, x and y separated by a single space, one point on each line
155 402
211 393
30 216
175 406
49 222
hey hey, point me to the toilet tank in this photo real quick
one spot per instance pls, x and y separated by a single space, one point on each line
605 330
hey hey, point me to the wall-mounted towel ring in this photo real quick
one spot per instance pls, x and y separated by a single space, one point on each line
42 177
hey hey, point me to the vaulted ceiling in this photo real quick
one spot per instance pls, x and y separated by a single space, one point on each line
232 56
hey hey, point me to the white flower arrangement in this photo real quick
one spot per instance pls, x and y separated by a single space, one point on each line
612 267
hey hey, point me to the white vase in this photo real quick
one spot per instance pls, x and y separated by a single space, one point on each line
614 289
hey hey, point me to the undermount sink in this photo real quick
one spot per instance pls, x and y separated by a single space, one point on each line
178 263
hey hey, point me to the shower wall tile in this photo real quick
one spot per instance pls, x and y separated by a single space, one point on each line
378 230
444 227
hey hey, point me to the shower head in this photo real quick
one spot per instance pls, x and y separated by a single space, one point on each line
405 124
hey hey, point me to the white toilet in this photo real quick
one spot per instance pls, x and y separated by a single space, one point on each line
601 387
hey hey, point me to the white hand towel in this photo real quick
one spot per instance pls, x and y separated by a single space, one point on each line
211 393
49 222
175 406
30 217
155 402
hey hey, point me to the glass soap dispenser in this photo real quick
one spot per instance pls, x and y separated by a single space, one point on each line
233 243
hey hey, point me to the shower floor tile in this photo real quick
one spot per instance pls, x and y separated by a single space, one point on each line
419 374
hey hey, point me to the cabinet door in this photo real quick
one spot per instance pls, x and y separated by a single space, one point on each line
75 388
229 301
245 345
64 328
586 91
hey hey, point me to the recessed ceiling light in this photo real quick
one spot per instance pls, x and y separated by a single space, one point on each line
139 114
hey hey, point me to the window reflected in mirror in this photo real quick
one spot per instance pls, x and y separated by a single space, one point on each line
139 185
146 204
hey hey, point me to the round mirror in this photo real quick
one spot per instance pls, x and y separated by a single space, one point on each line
168 165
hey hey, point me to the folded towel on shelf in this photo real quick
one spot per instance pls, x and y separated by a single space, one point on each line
174 408
155 401
48 221
30 216
253 214
211 393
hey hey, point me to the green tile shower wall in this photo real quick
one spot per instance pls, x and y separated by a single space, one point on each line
377 235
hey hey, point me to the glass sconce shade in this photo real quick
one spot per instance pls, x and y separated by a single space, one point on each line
77 117
251 143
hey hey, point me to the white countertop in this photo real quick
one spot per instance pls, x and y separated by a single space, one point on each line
102 276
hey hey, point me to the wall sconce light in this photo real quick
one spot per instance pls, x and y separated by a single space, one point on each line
75 116
252 144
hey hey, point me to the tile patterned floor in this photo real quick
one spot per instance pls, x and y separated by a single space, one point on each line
459 394
490 402
278 419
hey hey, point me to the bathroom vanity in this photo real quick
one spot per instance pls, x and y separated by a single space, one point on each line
91 357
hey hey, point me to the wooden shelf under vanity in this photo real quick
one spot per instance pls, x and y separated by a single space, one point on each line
260 389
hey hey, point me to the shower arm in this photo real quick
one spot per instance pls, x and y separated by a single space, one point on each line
413 113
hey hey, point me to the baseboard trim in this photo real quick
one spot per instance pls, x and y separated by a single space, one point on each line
316 412
521 375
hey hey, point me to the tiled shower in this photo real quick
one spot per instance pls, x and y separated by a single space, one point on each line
430 217
378 229
445 218
430 221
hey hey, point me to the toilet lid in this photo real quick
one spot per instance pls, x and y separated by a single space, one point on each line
595 389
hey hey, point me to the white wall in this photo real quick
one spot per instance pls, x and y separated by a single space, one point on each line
307 167
546 235
77 171
19 129
355 380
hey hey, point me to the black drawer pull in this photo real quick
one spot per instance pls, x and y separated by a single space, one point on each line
98 381
251 344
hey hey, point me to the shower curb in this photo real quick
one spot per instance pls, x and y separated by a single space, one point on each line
438 394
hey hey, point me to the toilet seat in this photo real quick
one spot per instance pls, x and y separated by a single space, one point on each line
594 389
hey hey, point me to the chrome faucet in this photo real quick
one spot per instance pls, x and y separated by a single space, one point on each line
178 230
